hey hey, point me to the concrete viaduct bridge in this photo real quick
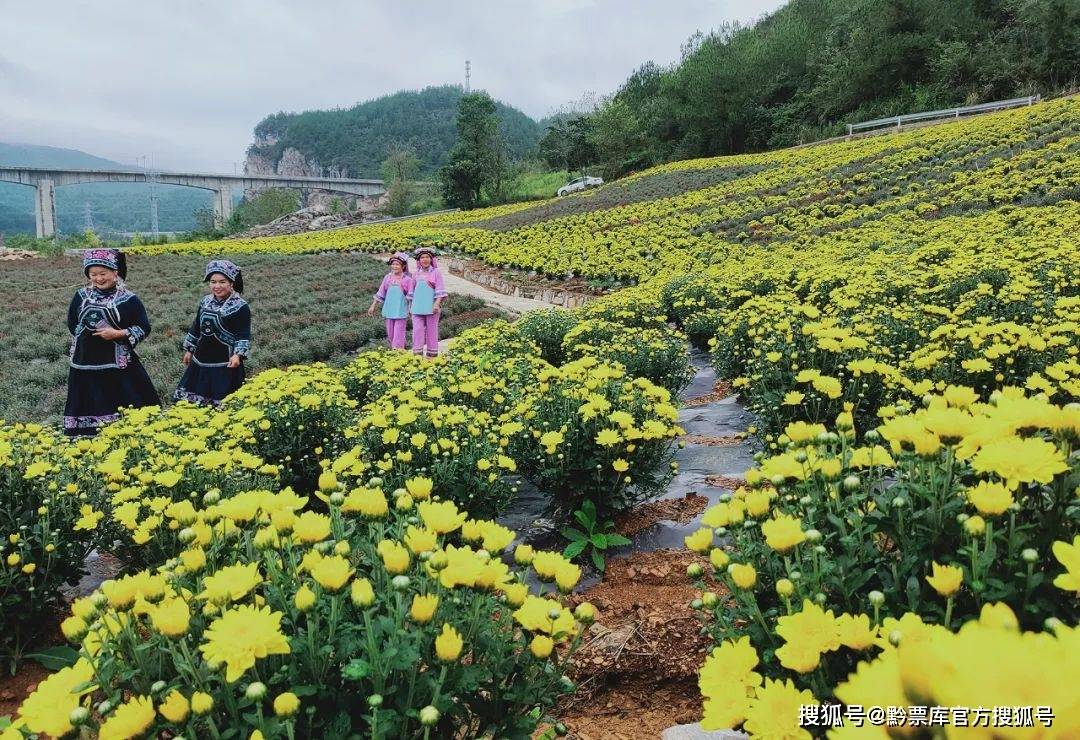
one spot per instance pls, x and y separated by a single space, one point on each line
46 180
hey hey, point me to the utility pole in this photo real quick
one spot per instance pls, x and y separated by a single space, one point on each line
467 75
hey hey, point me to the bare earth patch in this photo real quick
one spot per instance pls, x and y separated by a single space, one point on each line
13 689
700 439
725 481
637 669
7 253
721 390
681 510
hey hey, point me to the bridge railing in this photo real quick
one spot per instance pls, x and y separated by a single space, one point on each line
899 121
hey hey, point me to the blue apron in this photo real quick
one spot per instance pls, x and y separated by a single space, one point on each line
394 307
423 302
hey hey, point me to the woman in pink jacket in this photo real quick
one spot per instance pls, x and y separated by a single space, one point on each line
393 295
426 297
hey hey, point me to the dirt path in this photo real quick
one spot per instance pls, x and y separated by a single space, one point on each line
638 671
513 304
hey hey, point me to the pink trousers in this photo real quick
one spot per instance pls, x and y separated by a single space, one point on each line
395 333
425 334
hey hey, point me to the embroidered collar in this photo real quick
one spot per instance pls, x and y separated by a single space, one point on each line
118 294
233 303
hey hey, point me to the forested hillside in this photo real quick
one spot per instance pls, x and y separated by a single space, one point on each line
800 73
357 139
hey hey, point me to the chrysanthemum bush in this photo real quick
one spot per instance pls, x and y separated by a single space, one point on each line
365 620
463 450
593 432
844 545
48 526
548 328
298 415
659 355
586 430
154 469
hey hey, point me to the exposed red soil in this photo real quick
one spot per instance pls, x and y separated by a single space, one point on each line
681 510
13 689
700 439
637 670
721 389
725 481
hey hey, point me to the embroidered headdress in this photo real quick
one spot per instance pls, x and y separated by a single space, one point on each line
426 250
112 259
400 257
229 269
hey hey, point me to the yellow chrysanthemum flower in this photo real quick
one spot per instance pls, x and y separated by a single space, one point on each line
240 636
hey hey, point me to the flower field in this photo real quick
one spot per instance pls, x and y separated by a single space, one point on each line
306 308
319 557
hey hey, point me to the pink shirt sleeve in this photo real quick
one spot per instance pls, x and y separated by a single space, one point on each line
440 289
385 286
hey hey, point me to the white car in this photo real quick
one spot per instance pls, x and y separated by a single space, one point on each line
580 184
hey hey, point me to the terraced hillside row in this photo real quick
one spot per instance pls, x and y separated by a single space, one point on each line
685 213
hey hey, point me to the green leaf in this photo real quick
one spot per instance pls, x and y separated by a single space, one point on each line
615 540
583 520
574 549
599 541
574 535
56 657
598 560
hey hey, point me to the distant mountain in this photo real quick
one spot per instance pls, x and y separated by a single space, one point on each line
112 206
31 155
357 139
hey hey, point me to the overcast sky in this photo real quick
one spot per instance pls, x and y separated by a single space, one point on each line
185 82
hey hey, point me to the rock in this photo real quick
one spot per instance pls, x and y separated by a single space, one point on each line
293 164
694 732
613 640
7 254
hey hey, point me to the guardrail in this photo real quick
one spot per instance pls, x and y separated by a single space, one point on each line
899 121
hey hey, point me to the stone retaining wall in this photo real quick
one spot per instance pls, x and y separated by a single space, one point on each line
554 296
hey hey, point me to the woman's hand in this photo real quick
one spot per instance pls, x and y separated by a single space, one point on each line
371 310
110 335
187 358
234 361
437 306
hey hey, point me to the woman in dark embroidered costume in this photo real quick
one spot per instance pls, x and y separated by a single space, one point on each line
107 321
219 338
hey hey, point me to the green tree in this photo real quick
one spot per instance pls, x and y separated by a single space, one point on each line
615 133
263 208
801 72
399 171
568 145
476 168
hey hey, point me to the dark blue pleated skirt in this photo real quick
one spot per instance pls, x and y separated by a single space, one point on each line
95 397
208 385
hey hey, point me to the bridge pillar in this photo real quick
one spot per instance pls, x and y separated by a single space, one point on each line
223 206
45 208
